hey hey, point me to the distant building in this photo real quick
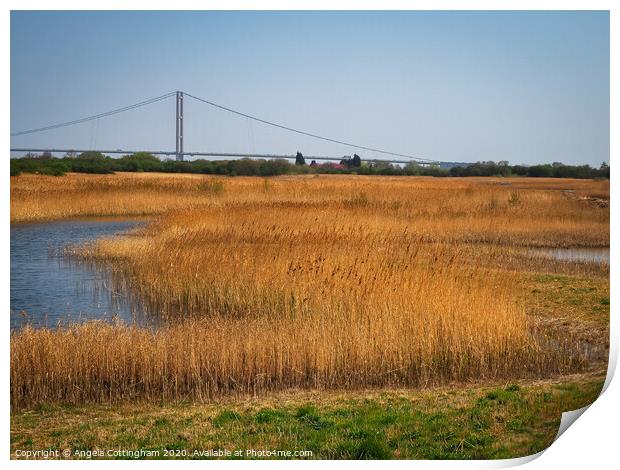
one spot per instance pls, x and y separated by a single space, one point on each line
335 166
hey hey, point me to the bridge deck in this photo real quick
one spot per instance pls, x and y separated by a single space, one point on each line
212 154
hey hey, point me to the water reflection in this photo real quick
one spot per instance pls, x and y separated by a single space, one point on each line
593 255
48 289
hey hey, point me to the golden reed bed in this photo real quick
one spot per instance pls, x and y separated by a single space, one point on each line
303 282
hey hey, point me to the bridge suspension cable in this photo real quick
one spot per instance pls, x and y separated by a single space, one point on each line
96 116
348 144
224 108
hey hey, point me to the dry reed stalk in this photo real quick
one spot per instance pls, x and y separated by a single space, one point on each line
306 283
473 210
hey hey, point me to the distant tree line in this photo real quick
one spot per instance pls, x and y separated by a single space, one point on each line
95 162
554 170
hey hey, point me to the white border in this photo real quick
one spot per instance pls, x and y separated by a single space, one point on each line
592 442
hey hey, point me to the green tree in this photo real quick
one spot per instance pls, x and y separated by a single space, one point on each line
299 159
141 161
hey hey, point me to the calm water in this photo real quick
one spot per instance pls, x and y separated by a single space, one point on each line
594 255
46 289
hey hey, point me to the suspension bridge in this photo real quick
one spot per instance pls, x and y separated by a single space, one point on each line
179 153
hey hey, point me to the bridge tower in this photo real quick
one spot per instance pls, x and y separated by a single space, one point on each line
179 133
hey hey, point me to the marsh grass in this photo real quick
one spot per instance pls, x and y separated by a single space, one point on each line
215 187
328 283
494 420
471 210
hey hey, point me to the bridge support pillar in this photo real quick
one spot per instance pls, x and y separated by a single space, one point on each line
179 133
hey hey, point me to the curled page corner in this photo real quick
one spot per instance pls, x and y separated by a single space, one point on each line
518 461
568 418
566 421
612 359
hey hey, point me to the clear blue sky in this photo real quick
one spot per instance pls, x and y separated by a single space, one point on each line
528 87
